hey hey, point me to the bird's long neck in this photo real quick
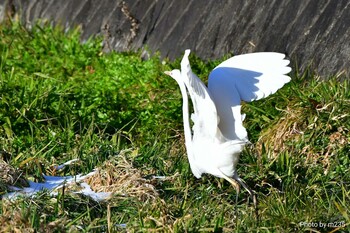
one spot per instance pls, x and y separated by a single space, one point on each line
185 115
187 130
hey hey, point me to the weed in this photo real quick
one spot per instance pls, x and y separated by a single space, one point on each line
61 99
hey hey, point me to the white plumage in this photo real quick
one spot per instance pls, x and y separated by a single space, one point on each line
218 135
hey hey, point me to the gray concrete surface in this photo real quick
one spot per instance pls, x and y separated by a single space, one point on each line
308 31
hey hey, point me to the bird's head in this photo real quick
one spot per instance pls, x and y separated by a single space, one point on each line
175 74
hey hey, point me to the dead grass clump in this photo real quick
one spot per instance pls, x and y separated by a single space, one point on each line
120 177
308 131
289 128
15 219
12 219
10 176
337 140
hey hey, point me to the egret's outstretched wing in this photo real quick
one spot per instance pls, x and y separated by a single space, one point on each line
205 116
254 75
245 77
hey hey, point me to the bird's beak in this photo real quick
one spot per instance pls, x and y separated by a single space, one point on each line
167 72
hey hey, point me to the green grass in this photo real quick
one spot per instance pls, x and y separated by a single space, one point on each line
60 99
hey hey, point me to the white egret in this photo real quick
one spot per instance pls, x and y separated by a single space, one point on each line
218 135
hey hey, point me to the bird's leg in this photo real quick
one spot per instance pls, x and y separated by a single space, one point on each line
249 190
235 181
235 184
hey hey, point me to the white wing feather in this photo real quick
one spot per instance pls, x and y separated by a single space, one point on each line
245 77
254 75
205 116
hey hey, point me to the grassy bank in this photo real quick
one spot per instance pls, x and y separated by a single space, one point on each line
62 100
